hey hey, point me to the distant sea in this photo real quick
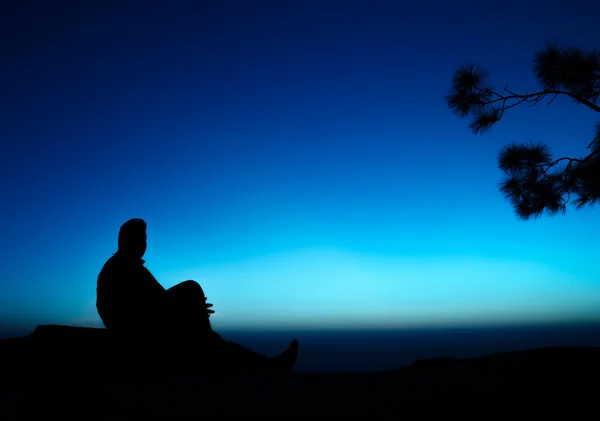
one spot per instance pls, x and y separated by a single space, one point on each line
373 350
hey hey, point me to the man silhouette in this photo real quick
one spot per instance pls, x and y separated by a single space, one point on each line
135 306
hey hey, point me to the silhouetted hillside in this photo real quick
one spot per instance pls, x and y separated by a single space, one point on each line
63 366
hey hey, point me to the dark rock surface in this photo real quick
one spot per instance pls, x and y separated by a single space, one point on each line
81 372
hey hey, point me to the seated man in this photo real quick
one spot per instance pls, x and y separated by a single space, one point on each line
132 304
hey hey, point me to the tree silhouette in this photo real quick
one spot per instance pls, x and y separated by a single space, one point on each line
535 182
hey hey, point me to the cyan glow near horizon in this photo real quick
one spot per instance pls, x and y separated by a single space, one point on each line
299 162
330 288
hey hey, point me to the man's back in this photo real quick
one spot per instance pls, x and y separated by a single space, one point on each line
128 297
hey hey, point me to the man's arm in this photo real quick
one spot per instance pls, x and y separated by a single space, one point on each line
129 298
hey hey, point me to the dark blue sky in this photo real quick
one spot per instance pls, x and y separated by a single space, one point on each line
295 158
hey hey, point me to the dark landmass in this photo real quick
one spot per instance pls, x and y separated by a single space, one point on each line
369 350
67 371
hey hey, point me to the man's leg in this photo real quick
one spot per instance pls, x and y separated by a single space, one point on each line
226 354
186 307
190 321
189 318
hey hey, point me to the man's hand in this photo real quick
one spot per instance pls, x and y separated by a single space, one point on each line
208 306
208 310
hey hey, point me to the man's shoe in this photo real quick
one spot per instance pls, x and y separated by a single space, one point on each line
286 360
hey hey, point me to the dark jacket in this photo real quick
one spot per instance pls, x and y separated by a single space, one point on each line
128 297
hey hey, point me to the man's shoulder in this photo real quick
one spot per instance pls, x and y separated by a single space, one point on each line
111 261
117 264
111 265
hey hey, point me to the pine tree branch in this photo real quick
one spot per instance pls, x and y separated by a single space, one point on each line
552 100
565 158
596 138
535 97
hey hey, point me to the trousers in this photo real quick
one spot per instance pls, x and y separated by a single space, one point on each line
187 326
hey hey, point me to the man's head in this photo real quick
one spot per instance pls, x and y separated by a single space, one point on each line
132 238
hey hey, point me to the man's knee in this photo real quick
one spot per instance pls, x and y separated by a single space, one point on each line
186 290
192 286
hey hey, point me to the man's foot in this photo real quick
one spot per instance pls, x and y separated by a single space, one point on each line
286 360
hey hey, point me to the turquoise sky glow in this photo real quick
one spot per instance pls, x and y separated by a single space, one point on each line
299 162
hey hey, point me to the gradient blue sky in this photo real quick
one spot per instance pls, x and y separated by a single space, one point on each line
295 158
